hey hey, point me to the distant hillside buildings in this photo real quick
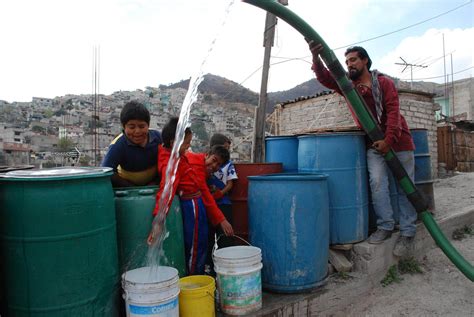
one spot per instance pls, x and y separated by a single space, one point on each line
32 132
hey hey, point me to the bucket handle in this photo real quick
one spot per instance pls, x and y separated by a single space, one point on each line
215 247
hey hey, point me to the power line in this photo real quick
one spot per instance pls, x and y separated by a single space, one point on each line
439 76
405 28
289 59
398 30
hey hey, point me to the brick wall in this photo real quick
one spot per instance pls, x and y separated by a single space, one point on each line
330 111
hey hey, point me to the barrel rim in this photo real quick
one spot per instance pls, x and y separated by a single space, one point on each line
172 275
289 176
42 174
210 284
136 188
277 137
327 134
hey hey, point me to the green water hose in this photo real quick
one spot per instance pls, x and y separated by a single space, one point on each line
371 128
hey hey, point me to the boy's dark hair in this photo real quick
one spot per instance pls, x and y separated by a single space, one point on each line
361 52
219 139
169 131
220 151
134 110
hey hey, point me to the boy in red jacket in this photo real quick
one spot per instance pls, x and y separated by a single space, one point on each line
197 203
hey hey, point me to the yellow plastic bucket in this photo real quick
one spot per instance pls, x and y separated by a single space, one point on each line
196 298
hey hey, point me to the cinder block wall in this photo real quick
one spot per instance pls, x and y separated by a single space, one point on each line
330 111
323 111
419 110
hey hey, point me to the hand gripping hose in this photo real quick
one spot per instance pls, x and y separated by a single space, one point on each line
371 128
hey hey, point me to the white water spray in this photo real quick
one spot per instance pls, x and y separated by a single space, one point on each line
158 226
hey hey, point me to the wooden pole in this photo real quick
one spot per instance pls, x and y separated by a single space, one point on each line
259 125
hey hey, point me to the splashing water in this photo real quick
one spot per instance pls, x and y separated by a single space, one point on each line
158 225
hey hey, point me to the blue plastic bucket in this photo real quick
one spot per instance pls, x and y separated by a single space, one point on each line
282 149
342 156
289 222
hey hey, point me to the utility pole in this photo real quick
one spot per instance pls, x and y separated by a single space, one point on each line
445 79
452 81
406 64
259 125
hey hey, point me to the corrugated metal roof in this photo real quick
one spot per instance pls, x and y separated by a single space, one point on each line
323 93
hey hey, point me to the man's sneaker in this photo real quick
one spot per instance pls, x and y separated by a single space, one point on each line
379 236
403 246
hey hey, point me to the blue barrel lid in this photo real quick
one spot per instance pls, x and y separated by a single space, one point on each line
289 176
57 173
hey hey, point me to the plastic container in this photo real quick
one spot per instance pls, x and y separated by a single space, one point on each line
239 281
283 149
197 296
133 208
423 180
59 242
239 193
342 156
151 292
289 221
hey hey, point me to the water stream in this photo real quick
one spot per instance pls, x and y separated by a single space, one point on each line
158 226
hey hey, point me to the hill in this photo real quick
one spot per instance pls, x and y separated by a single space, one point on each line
229 91
308 88
224 89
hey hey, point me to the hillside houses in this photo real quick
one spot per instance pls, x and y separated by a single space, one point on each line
44 126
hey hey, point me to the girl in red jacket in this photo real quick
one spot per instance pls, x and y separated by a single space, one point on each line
197 203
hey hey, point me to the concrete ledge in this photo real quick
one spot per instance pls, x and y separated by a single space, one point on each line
372 258
371 264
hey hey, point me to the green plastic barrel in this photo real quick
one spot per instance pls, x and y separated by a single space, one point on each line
134 207
59 245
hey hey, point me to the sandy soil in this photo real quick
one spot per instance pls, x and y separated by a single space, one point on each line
440 290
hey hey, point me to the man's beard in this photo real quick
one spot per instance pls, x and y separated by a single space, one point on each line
354 73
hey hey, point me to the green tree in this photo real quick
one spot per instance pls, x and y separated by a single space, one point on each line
48 113
199 130
38 129
65 144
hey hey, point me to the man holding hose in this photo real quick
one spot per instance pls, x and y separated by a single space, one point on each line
381 97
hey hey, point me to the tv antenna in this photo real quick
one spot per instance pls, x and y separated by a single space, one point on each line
406 64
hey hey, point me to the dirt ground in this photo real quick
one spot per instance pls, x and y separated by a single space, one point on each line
440 290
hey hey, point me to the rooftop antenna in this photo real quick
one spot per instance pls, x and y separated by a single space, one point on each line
406 64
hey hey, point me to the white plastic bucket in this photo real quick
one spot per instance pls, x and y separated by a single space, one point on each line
239 280
151 292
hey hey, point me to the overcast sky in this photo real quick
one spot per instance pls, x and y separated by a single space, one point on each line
47 46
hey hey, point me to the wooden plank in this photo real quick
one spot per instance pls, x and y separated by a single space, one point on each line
343 247
339 261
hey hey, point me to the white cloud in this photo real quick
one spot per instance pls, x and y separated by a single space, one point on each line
47 50
427 50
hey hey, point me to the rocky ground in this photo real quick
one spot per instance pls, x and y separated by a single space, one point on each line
440 289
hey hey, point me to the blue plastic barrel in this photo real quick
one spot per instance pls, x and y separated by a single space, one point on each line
423 180
342 156
289 222
282 149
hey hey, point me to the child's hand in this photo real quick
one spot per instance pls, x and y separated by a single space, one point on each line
151 238
218 194
155 233
227 228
